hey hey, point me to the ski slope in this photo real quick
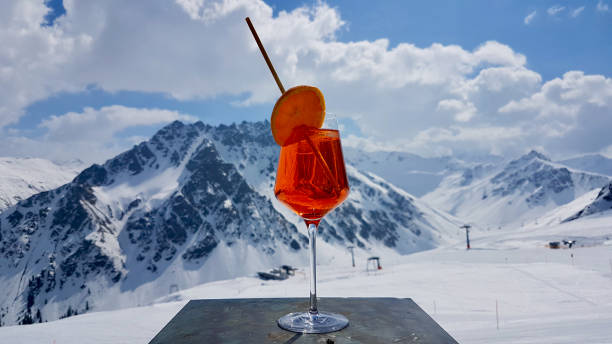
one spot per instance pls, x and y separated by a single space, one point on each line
543 295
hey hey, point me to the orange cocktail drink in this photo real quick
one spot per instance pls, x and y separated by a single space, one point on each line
311 178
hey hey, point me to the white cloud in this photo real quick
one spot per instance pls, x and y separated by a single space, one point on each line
602 6
575 13
529 18
92 135
566 96
554 10
103 124
433 99
463 111
32 57
188 49
571 114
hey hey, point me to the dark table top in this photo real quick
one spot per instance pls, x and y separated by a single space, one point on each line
371 321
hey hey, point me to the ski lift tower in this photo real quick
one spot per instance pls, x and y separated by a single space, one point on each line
350 248
467 235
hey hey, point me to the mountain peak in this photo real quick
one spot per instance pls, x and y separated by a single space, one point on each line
535 154
528 160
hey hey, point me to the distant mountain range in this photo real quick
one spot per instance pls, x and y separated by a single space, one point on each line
420 175
21 178
192 204
508 195
415 174
596 163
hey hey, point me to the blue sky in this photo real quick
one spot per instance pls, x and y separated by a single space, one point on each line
552 44
559 37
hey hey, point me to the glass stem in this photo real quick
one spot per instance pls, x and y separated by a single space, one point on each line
312 237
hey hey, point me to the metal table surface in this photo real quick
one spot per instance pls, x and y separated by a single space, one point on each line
371 320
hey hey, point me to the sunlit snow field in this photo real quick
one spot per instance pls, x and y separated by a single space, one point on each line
543 295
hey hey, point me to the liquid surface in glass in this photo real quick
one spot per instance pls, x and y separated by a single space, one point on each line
311 178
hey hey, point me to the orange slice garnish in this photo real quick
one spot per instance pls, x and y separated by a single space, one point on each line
298 106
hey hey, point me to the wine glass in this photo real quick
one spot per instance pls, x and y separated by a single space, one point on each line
311 180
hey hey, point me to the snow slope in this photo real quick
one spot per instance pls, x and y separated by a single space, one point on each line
21 178
561 213
601 203
542 295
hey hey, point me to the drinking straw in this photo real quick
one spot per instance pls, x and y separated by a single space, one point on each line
326 168
282 89
265 55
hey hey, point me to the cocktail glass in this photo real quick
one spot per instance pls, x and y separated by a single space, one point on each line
311 180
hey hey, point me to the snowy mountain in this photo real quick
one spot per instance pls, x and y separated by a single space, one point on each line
596 163
557 215
601 203
521 190
376 211
21 178
415 174
193 204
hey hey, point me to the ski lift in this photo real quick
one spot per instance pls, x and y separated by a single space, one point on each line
375 262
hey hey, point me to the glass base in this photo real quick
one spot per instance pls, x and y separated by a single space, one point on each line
305 322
